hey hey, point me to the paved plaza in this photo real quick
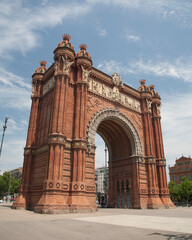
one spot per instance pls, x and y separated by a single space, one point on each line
103 224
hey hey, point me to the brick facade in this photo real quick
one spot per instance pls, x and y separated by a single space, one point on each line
71 102
181 169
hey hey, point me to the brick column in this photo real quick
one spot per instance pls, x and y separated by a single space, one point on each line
23 200
159 149
112 201
78 199
135 184
154 200
55 191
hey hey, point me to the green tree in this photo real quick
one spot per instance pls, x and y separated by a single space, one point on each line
8 184
2 186
174 191
15 185
181 192
185 190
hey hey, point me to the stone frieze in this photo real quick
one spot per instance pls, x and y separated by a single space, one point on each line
113 94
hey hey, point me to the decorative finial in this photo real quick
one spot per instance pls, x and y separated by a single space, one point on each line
152 87
43 63
142 81
83 46
143 87
66 36
154 93
42 67
83 52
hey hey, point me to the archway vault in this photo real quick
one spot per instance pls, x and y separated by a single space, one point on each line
124 121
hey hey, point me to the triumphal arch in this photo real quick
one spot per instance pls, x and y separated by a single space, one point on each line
71 102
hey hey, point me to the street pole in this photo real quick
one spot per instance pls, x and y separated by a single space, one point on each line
105 156
105 176
4 129
9 187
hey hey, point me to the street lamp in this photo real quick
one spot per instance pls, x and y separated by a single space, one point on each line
4 129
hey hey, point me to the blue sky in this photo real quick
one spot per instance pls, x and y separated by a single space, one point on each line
138 39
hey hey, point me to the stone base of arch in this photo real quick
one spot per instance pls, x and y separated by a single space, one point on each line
56 203
52 203
20 203
82 203
154 202
167 202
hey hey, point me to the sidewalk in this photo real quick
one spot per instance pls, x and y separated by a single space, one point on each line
103 224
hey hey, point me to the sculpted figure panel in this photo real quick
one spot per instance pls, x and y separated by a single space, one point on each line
158 109
63 64
85 74
113 94
33 88
66 64
149 102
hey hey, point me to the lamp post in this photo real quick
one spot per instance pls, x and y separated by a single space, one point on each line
105 177
4 129
105 155
9 188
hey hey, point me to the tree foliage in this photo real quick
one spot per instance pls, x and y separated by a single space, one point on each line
181 192
8 184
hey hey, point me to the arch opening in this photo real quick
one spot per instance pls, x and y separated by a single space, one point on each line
107 118
122 145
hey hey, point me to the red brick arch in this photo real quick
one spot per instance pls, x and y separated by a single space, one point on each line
71 102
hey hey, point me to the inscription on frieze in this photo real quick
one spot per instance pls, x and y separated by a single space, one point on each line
113 94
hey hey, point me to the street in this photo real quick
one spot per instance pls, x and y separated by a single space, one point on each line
103 224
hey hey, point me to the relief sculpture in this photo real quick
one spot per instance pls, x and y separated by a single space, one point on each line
85 74
113 94
158 109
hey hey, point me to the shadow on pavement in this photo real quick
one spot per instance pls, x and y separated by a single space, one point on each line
174 236
6 205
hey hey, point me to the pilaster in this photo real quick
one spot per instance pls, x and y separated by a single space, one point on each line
153 191
159 149
77 200
23 201
55 189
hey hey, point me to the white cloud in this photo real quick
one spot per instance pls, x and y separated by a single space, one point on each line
12 153
14 91
179 68
114 66
179 10
11 79
19 24
132 38
101 31
176 125
13 145
14 97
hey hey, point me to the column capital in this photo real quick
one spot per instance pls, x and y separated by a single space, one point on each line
57 138
79 144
